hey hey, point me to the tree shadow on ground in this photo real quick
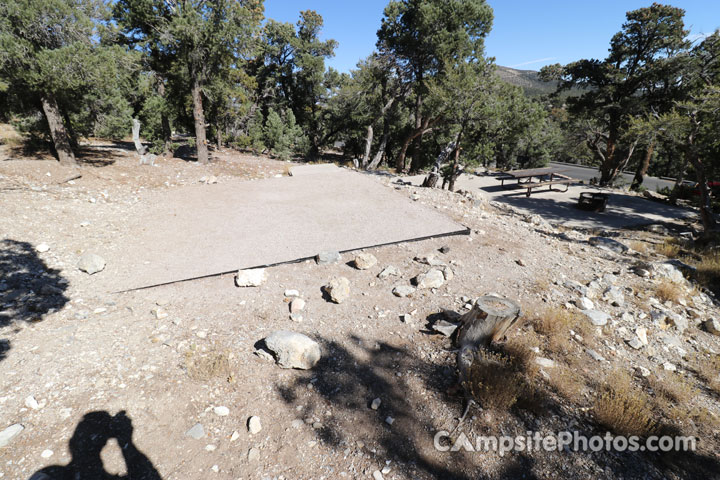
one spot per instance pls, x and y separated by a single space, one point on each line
29 290
413 392
90 437
4 348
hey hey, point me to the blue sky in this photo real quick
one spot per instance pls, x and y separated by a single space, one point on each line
526 34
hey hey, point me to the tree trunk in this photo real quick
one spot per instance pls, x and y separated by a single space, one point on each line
136 137
199 116
58 132
643 167
218 135
164 121
488 321
368 146
606 168
457 170
706 213
415 164
380 153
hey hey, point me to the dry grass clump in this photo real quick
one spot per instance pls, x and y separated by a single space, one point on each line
203 366
568 383
708 369
493 381
552 320
708 270
669 248
667 290
638 246
672 387
623 408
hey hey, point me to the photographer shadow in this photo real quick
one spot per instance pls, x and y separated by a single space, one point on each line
90 437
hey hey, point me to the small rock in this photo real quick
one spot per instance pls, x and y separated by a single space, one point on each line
197 431
364 261
159 313
210 448
377 475
254 426
389 420
403 291
444 327
91 263
324 258
597 317
375 404
644 372
296 317
608 244
585 303
338 289
433 278
615 296
297 423
520 262
447 273
221 411
641 333
292 293
42 248
389 271
293 350
297 305
386 469
31 403
250 278
46 453
712 325
595 355
445 249
235 435
7 435
253 455
635 343
544 362
669 367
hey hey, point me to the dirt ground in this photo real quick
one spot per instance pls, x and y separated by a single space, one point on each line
73 357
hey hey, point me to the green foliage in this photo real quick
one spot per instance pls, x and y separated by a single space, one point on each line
282 135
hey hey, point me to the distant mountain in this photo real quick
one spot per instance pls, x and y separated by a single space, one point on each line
527 79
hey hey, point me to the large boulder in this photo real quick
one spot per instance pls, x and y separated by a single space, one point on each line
608 244
293 350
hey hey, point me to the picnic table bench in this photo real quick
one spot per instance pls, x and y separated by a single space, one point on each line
547 177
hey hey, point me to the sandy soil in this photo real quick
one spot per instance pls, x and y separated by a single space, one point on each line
76 349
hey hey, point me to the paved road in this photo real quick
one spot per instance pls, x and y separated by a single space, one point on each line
586 173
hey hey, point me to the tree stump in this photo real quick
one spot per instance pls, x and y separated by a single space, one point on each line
489 320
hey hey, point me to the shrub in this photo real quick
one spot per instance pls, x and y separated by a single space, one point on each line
623 408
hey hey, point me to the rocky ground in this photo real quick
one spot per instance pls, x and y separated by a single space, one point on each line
176 382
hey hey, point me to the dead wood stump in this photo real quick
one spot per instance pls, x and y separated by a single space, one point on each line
489 320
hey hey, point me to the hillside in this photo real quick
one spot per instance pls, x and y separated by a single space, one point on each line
527 79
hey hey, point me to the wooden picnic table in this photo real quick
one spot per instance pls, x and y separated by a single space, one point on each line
528 174
548 176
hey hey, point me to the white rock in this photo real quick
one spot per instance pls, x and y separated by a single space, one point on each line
254 425
363 261
250 278
389 420
388 271
253 455
597 317
210 448
30 402
327 257
42 248
669 367
159 313
235 435
9 433
377 475
338 289
91 263
293 350
297 305
433 278
644 372
585 303
46 453
641 333
403 290
292 293
221 411
375 404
